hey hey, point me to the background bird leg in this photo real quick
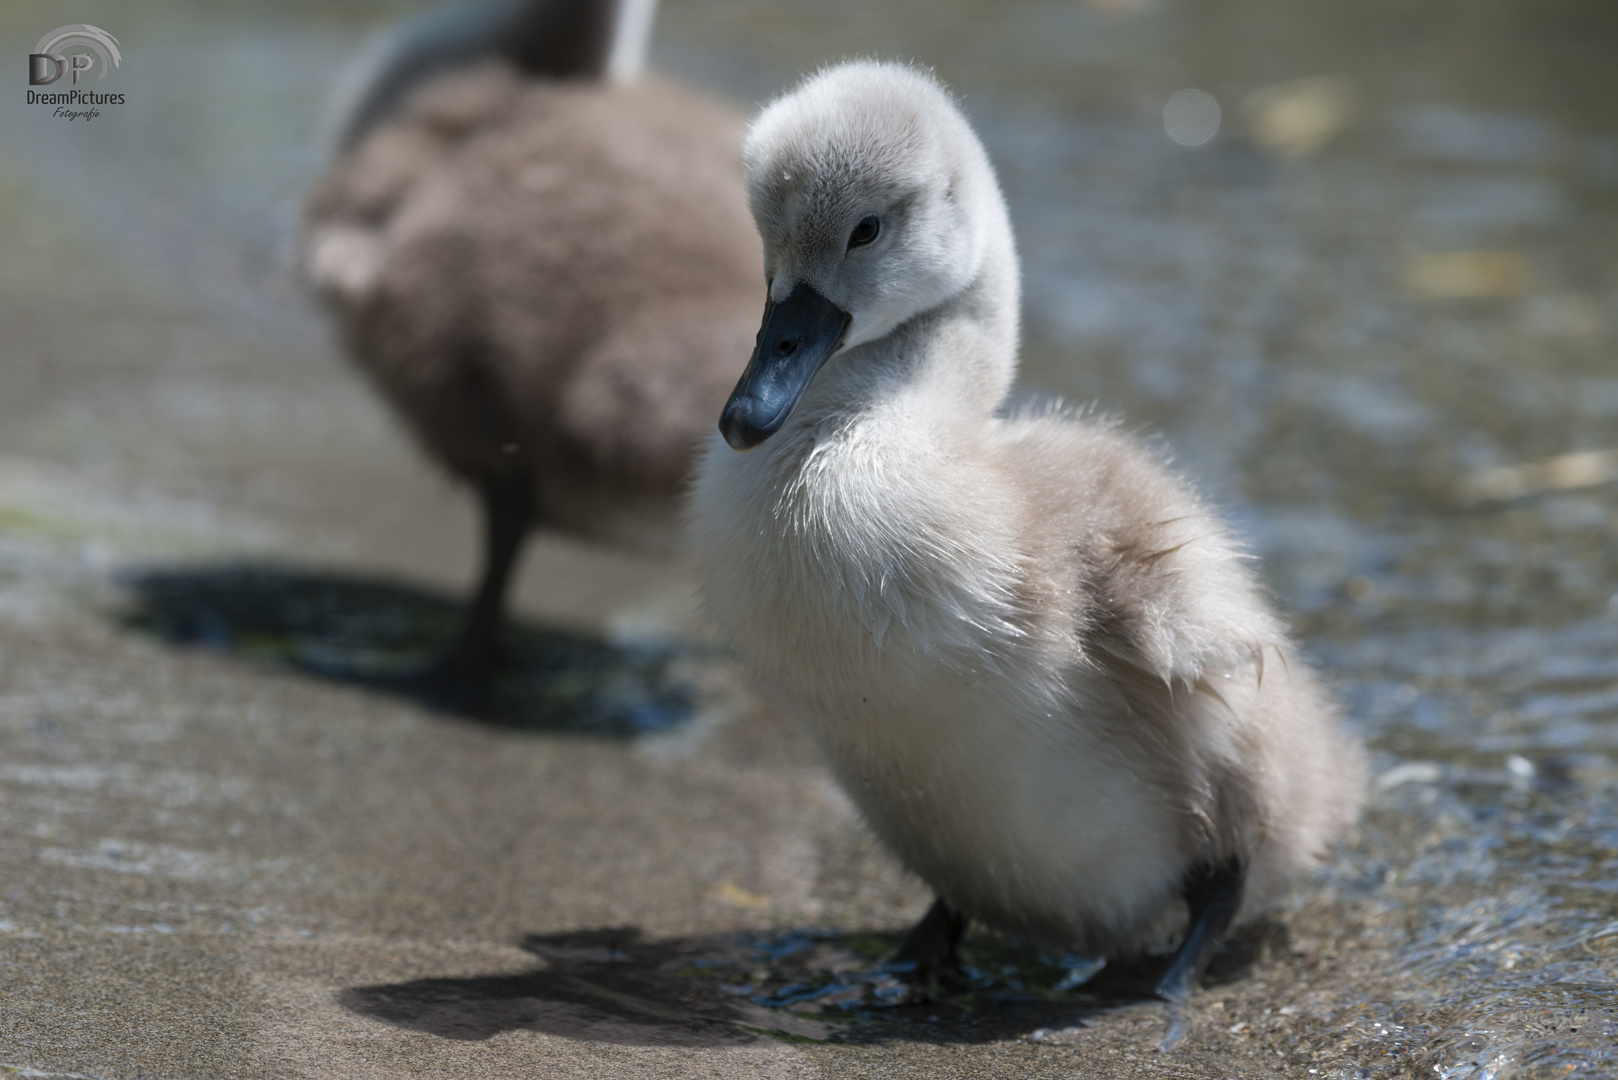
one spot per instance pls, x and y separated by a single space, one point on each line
508 511
931 943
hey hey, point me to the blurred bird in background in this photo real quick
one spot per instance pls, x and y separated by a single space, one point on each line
545 262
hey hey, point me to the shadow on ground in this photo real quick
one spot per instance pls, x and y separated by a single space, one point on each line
374 632
609 985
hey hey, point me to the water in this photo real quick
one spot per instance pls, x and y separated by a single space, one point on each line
1391 273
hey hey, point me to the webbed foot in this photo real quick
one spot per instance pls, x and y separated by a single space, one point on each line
929 949
1214 894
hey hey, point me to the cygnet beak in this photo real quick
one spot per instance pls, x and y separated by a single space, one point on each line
798 335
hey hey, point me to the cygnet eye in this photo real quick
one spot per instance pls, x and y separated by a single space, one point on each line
864 232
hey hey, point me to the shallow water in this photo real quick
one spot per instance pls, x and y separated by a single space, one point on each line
1372 315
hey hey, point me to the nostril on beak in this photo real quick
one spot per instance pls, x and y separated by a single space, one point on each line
785 347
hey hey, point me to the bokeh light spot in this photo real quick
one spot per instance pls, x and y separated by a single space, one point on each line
1191 117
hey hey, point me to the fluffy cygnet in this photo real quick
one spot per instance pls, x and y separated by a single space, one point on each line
546 266
1035 659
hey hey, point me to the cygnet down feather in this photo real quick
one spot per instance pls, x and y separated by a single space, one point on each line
1035 659
548 278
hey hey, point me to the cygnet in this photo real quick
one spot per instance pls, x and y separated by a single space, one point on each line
1038 663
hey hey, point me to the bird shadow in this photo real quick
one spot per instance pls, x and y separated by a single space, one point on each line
376 632
613 985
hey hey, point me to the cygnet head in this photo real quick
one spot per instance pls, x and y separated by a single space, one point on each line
876 203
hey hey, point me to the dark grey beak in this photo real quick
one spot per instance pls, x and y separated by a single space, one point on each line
798 335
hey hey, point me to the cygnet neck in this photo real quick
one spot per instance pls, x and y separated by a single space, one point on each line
960 356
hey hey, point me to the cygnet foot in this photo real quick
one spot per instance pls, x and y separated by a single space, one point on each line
1213 893
929 949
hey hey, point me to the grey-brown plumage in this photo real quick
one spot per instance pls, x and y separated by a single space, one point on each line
552 282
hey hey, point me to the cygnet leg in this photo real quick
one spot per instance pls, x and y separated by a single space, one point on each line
930 945
1213 893
508 510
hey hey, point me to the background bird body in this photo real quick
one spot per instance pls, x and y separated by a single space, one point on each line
548 273
552 278
1037 663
